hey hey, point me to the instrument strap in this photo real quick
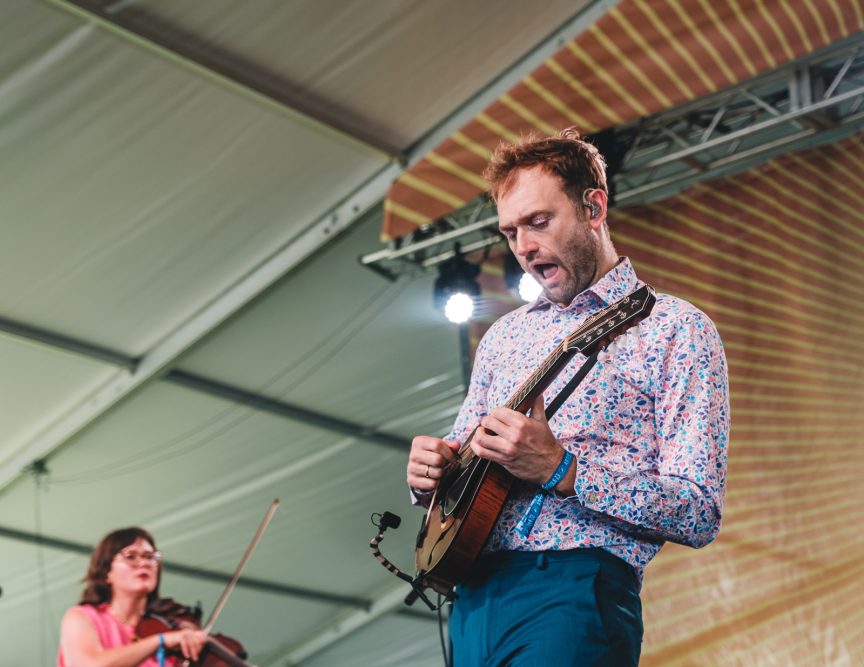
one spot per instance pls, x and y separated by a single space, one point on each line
526 523
564 394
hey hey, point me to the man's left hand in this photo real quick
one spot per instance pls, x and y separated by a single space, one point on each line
523 444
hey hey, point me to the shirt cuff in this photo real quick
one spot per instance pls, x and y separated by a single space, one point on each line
592 481
421 498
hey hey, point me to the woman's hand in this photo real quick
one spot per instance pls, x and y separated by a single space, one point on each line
189 641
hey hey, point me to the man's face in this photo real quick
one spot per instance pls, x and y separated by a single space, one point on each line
549 237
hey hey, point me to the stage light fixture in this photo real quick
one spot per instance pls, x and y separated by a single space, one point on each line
456 288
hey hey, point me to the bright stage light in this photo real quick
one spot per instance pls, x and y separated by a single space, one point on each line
456 288
459 308
529 288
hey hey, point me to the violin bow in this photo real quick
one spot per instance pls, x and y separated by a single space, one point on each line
230 587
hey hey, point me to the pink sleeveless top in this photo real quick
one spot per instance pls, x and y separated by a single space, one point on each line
112 633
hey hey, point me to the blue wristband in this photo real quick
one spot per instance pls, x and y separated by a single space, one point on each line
160 652
526 523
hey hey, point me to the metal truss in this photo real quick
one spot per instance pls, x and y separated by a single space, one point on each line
471 229
815 100
811 101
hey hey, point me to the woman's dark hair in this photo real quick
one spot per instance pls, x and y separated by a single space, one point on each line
98 590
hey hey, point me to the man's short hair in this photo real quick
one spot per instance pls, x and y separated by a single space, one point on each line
566 155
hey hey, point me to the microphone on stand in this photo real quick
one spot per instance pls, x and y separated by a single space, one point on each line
382 522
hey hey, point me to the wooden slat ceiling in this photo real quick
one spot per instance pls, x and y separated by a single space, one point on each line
640 58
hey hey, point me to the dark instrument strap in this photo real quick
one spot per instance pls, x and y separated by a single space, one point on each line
564 394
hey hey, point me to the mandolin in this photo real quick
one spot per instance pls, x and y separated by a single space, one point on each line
472 491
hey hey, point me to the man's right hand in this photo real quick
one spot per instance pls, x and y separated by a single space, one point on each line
427 460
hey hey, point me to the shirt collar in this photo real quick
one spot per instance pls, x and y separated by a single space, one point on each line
615 285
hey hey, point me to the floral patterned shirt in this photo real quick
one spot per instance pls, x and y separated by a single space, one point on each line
648 426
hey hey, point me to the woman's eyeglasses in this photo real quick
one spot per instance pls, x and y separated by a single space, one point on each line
147 557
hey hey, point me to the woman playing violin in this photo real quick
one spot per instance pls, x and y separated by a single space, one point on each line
123 578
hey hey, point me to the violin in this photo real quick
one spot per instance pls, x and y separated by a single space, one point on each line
165 615
219 651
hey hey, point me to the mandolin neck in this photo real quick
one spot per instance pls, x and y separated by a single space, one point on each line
524 397
590 338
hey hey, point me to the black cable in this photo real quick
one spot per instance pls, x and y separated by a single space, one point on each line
385 521
448 655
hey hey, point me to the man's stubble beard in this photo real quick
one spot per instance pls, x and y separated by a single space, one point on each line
581 256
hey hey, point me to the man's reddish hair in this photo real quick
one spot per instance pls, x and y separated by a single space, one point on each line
566 155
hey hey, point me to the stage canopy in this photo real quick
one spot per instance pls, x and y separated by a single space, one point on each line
186 332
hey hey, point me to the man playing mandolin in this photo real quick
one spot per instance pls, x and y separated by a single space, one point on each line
634 457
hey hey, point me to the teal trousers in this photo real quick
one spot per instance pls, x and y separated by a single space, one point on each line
529 609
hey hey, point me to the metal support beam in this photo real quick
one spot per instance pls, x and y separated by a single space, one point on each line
414 248
67 343
199 324
212 387
227 69
250 583
801 104
758 127
287 410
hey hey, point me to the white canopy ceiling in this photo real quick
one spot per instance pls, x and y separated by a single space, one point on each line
186 332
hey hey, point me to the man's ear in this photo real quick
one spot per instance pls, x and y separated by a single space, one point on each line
595 201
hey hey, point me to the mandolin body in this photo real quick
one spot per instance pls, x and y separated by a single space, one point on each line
456 528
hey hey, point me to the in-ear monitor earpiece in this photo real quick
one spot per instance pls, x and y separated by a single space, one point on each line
593 206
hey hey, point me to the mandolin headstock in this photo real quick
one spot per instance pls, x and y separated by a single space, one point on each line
604 326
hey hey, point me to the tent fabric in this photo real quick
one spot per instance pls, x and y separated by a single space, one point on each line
161 219
775 257
640 58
